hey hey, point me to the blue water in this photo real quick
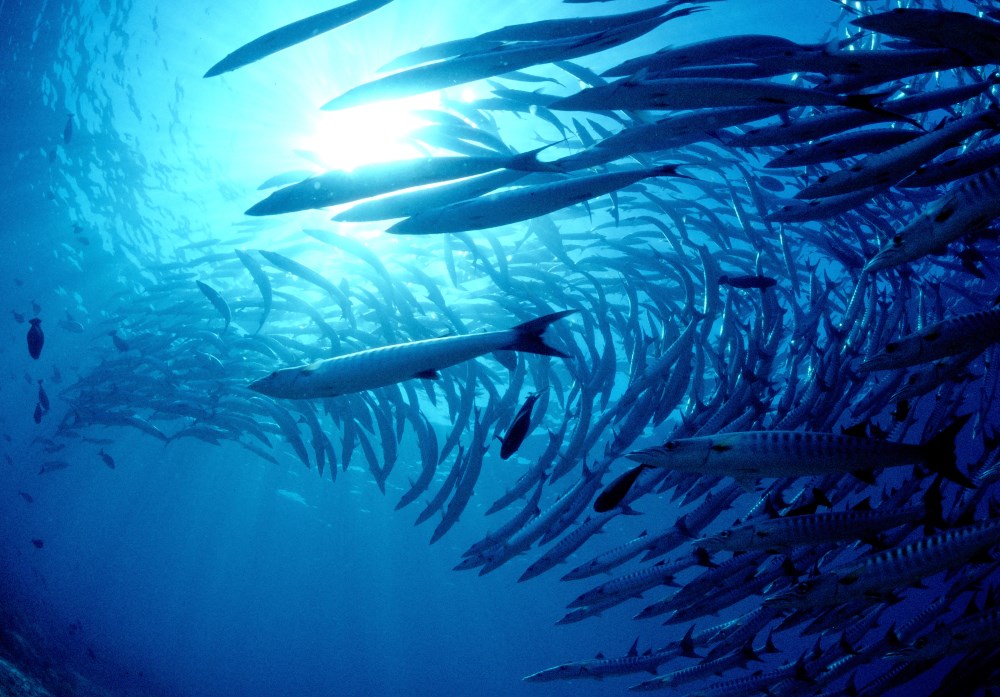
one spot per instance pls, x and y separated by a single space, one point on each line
197 570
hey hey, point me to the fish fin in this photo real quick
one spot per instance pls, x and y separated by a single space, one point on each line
687 644
506 360
941 453
429 374
528 336
866 476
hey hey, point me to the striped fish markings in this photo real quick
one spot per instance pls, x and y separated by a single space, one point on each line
752 455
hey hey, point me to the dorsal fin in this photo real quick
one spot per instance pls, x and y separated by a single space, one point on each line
632 652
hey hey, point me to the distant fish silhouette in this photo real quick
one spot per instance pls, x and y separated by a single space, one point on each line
36 338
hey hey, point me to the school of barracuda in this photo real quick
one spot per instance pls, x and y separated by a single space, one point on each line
746 284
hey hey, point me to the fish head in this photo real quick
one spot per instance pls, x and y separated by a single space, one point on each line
566 671
681 454
278 384
733 539
932 645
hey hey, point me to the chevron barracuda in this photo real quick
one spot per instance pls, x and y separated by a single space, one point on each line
386 365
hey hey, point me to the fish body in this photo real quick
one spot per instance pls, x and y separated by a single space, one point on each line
387 365
36 338
120 344
969 207
514 205
747 282
698 93
37 415
218 302
107 459
262 281
341 186
518 430
883 573
751 455
294 33
68 130
43 397
975 330
789 531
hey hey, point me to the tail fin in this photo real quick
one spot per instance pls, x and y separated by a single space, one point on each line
528 336
529 162
866 102
940 453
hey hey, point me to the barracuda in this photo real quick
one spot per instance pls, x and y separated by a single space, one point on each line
877 577
962 334
971 206
751 455
387 365
817 528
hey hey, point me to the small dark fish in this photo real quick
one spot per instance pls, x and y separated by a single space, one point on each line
36 308
43 399
518 430
26 496
68 129
36 339
38 413
18 317
38 543
108 460
119 342
617 490
761 282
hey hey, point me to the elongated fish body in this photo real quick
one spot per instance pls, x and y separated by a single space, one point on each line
846 145
939 340
817 528
339 186
967 208
475 66
412 202
750 455
294 33
976 37
262 281
545 30
387 365
218 302
891 570
514 205
968 633
828 124
889 167
695 93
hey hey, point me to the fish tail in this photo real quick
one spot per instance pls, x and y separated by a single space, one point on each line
528 336
941 453
529 162
864 102
933 511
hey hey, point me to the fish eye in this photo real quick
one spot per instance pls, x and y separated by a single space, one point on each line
670 445
920 642
897 240
891 347
801 589
724 534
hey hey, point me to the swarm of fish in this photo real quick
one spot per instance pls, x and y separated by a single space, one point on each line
777 272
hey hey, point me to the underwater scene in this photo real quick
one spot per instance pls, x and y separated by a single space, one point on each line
528 349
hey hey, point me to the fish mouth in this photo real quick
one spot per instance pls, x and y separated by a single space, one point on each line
646 456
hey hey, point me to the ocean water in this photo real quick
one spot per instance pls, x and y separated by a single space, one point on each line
194 568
